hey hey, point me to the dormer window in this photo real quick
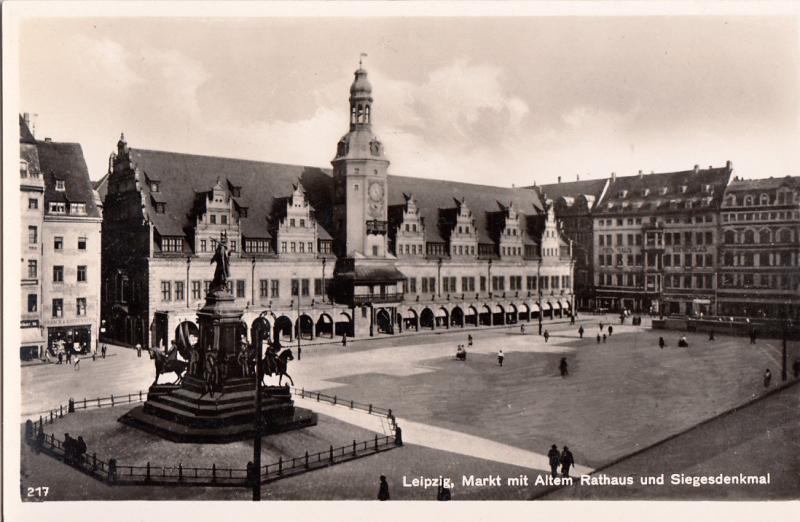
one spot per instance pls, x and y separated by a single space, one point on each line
60 185
23 169
622 193
243 212
236 191
77 209
645 192
684 188
707 188
58 207
162 208
154 186
663 191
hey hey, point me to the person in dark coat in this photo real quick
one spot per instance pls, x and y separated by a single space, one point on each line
661 343
711 335
604 337
104 351
546 335
555 459
566 461
563 367
767 378
580 331
344 340
60 358
500 357
598 338
796 367
610 330
383 491
138 350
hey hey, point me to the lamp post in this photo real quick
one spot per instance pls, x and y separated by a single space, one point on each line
255 474
299 318
539 288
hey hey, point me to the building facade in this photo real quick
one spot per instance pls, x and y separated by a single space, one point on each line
62 261
655 242
574 204
760 249
349 251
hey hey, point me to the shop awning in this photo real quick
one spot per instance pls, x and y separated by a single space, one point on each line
534 307
441 313
564 303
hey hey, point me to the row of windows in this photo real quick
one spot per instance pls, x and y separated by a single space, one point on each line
763 216
774 281
634 280
58 243
58 207
748 237
764 259
498 283
620 222
700 260
58 273
268 288
689 281
58 306
297 247
783 198
606 240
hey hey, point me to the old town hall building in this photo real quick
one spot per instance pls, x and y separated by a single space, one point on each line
349 251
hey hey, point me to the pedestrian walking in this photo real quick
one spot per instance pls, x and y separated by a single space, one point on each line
580 332
500 357
383 490
94 356
796 367
522 329
469 340
69 356
661 343
60 357
138 350
598 338
566 461
610 330
555 459
604 338
572 319
77 366
104 351
767 378
546 335
711 335
601 326
563 368
344 340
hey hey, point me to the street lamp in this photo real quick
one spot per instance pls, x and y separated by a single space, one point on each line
539 288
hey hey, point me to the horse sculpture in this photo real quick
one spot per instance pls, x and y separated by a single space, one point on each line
169 363
276 364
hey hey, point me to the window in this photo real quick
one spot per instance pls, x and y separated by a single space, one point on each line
58 207
58 308
667 260
240 288
171 244
223 219
283 247
33 301
412 285
483 284
81 243
709 259
310 247
293 247
317 286
33 235
295 287
233 246
619 239
709 238
33 203
81 273
203 245
375 250
196 290
58 243
32 269
601 258
687 260
206 287
275 286
166 291
60 186
77 209
80 306
58 274
179 291
302 247
263 288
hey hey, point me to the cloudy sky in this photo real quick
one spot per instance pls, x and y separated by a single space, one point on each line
494 100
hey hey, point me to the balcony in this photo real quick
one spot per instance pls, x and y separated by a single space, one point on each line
376 226
359 300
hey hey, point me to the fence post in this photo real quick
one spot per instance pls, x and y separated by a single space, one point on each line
129 398
52 440
335 400
213 472
41 423
306 459
61 411
280 465
376 442
331 454
180 472
317 396
51 416
84 403
71 405
351 404
28 430
140 395
112 469
98 402
147 478
354 447
303 393
370 409
94 461
112 400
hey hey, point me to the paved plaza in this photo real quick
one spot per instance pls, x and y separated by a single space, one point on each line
474 417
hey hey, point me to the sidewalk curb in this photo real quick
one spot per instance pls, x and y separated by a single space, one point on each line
748 403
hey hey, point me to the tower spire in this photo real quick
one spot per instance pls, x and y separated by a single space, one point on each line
360 57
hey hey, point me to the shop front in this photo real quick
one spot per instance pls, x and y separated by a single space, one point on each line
78 338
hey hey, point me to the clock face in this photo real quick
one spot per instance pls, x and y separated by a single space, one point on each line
376 191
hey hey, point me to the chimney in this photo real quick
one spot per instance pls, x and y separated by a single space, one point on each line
577 177
696 169
613 177
559 179
729 165
641 174
48 140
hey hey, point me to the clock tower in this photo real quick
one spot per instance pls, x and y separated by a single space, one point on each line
359 177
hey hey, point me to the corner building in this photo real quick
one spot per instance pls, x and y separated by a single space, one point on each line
323 253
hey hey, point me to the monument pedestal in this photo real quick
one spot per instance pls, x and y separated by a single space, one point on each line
215 401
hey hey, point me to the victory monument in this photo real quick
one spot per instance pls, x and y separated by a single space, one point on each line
214 397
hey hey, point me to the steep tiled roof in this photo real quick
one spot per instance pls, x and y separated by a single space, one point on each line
645 192
764 184
182 176
434 194
64 161
573 189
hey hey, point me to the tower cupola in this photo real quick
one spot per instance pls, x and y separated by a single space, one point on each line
360 101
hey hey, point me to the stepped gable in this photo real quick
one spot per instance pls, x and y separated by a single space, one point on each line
483 200
182 176
65 161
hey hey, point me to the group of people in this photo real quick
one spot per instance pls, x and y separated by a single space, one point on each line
563 459
74 449
601 335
